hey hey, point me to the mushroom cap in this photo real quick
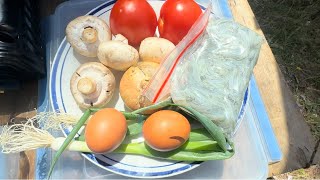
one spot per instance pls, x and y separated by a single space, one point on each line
134 81
117 55
155 49
74 32
121 38
104 82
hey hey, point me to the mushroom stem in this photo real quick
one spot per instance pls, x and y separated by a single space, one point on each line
89 35
86 85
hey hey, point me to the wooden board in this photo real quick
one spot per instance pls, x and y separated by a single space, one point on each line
293 134
16 106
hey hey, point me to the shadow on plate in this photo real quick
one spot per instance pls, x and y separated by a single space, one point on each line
83 59
204 171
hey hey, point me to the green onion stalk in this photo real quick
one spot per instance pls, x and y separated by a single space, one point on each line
205 143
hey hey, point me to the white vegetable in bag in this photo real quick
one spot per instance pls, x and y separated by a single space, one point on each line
214 73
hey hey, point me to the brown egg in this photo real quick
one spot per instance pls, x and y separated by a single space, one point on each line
105 130
166 130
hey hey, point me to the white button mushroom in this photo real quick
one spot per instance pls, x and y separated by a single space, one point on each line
120 37
155 49
85 33
117 55
92 85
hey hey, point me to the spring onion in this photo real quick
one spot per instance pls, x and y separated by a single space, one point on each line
69 138
205 143
213 129
201 150
156 106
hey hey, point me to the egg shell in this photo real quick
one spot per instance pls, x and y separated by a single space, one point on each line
105 130
166 130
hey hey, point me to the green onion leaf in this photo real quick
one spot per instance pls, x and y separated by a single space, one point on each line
69 138
212 128
190 151
200 134
157 106
128 115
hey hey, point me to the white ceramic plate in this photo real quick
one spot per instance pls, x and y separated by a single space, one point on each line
65 63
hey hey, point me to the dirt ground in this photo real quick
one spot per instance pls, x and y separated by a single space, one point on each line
310 173
292 29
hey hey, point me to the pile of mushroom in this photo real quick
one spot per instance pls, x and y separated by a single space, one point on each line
92 85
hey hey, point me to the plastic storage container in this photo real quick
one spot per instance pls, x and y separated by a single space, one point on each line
21 52
255 143
9 164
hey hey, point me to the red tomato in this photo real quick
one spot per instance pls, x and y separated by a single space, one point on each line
134 19
176 19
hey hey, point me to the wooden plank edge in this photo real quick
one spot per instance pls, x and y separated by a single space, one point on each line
283 112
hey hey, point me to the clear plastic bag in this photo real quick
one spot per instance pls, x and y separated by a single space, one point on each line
159 87
211 73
